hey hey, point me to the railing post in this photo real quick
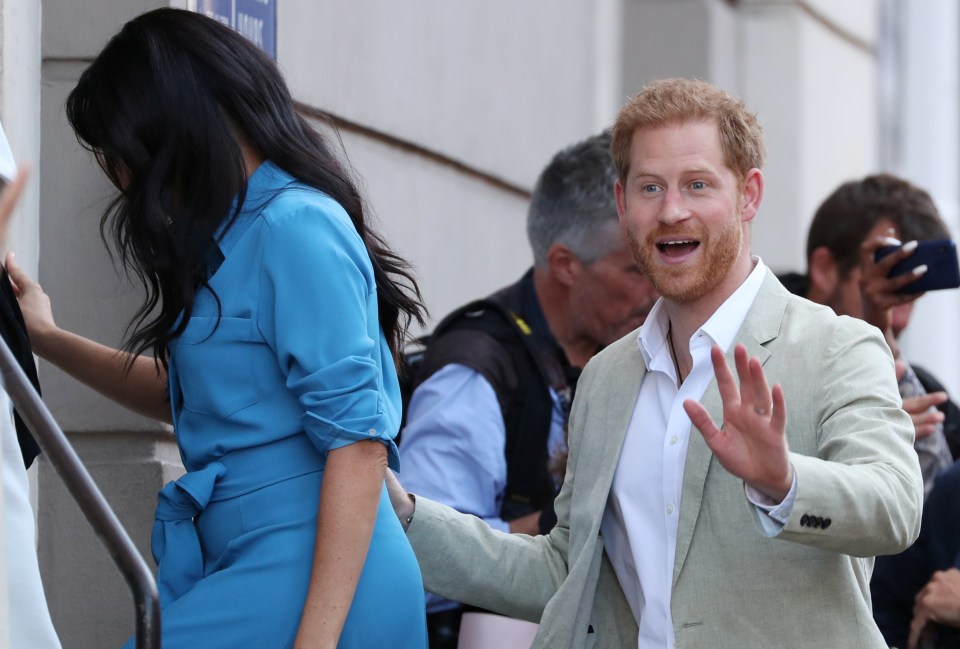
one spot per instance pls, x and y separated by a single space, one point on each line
81 486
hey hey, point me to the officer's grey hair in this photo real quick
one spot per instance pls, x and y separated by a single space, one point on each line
573 202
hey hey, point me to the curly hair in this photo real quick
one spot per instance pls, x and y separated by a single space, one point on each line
165 107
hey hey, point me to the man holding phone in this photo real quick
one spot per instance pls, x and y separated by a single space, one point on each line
859 218
856 221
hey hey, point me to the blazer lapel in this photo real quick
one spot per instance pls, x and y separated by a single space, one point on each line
694 475
621 392
761 325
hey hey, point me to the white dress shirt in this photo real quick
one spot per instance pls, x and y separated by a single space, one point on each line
640 521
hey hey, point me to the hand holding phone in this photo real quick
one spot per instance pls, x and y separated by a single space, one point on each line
938 255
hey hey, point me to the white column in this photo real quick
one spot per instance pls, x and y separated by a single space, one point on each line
19 110
608 61
930 159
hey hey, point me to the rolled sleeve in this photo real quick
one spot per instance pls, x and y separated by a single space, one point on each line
328 436
318 311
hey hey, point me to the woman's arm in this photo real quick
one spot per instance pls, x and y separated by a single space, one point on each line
142 387
349 498
317 311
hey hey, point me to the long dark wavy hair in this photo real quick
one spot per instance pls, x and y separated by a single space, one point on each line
165 107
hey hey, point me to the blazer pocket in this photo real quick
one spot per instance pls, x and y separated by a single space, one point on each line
215 365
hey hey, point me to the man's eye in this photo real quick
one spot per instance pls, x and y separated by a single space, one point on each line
698 184
649 189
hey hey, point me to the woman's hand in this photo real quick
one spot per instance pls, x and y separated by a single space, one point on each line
34 303
135 382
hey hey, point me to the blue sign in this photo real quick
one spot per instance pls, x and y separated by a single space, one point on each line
255 19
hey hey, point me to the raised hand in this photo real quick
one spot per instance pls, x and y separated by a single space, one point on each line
752 444
879 292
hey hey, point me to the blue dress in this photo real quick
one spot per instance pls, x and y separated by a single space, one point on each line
295 366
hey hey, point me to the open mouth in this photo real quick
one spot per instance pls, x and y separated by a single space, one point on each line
678 248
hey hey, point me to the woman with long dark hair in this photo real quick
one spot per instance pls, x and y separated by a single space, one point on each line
273 314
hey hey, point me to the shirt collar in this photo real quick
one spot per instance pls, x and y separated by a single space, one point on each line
721 327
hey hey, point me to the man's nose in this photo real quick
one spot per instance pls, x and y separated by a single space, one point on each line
674 207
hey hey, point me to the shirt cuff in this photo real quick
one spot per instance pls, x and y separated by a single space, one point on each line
773 516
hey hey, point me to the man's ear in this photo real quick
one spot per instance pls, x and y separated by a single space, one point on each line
564 266
751 195
824 274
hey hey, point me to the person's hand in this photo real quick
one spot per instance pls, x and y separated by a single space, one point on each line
938 601
403 503
924 414
752 444
922 408
879 292
34 303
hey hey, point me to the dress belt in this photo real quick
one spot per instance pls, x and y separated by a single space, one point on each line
179 501
174 540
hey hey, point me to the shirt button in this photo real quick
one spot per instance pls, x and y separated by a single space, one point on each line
669 508
372 431
674 439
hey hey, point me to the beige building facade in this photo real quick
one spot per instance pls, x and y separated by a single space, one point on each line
447 111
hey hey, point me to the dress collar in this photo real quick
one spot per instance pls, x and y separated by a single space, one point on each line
262 186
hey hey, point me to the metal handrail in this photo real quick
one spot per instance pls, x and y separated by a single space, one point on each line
81 486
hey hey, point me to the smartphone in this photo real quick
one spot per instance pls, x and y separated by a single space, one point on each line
940 257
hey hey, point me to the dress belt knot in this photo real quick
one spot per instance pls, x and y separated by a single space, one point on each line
178 503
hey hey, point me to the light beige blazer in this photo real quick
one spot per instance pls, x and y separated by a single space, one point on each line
733 587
